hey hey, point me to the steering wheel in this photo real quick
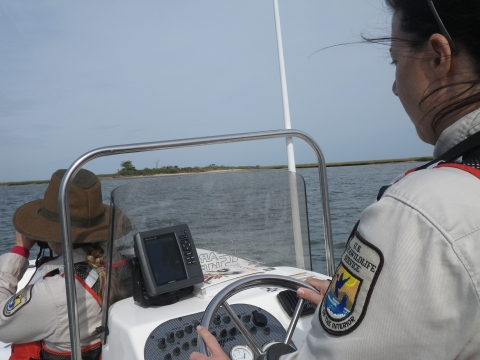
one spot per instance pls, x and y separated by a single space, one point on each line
247 283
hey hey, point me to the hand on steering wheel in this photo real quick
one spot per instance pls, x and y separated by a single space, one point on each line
314 297
228 291
212 345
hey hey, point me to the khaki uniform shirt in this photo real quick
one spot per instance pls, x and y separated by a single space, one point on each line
39 311
408 284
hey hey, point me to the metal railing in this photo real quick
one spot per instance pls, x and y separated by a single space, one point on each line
63 201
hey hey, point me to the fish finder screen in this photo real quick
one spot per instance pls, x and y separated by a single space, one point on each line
165 259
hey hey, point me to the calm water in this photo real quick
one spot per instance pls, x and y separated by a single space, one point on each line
351 189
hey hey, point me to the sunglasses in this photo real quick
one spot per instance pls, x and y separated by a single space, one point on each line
443 30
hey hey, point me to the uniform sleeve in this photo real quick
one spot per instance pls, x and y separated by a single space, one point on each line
401 290
12 268
30 314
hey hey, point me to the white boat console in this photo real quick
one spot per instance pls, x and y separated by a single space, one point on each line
169 332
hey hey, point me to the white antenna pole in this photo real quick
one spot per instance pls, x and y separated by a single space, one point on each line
283 78
292 179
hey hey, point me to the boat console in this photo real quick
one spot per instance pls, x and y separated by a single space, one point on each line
168 332
177 338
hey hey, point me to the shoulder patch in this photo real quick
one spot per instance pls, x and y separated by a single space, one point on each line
18 301
347 298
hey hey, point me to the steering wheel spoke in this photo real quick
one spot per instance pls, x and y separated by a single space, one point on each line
293 322
246 334
247 283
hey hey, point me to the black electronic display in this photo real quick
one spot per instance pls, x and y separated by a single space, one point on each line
165 259
168 259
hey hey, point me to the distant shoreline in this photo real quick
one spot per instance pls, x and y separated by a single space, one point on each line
226 168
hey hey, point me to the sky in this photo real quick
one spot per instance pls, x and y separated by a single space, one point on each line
76 76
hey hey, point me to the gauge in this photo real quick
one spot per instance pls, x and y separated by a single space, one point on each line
241 352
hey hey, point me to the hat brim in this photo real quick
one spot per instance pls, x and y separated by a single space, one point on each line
28 221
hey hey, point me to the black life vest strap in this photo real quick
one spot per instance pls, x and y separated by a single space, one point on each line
455 152
458 150
354 230
382 191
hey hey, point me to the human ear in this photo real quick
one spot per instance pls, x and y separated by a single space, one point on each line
442 60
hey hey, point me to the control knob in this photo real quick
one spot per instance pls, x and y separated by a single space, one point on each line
259 319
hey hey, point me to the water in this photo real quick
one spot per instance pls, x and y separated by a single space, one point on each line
351 189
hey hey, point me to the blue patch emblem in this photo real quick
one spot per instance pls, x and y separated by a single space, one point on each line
347 298
340 299
17 301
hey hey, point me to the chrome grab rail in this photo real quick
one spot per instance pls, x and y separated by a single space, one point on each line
63 200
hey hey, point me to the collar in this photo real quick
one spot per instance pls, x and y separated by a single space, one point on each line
78 256
457 132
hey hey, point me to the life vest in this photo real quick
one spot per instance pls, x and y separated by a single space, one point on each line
36 351
470 163
88 278
464 156
27 351
122 272
93 352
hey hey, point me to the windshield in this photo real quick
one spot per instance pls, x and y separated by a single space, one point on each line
231 215
244 214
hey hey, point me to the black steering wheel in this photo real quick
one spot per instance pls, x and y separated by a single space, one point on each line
247 283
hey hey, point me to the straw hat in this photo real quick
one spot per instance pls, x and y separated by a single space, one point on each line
39 219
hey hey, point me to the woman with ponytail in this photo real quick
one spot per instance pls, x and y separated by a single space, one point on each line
35 318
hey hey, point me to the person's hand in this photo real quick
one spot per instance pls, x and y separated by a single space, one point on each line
314 298
212 345
23 241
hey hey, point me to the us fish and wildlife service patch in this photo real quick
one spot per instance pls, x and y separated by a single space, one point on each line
347 298
18 300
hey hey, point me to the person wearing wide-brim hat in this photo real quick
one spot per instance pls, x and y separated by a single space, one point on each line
35 319
39 219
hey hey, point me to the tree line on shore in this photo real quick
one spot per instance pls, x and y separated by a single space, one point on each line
128 169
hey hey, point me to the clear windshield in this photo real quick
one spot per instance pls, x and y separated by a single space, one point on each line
246 214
